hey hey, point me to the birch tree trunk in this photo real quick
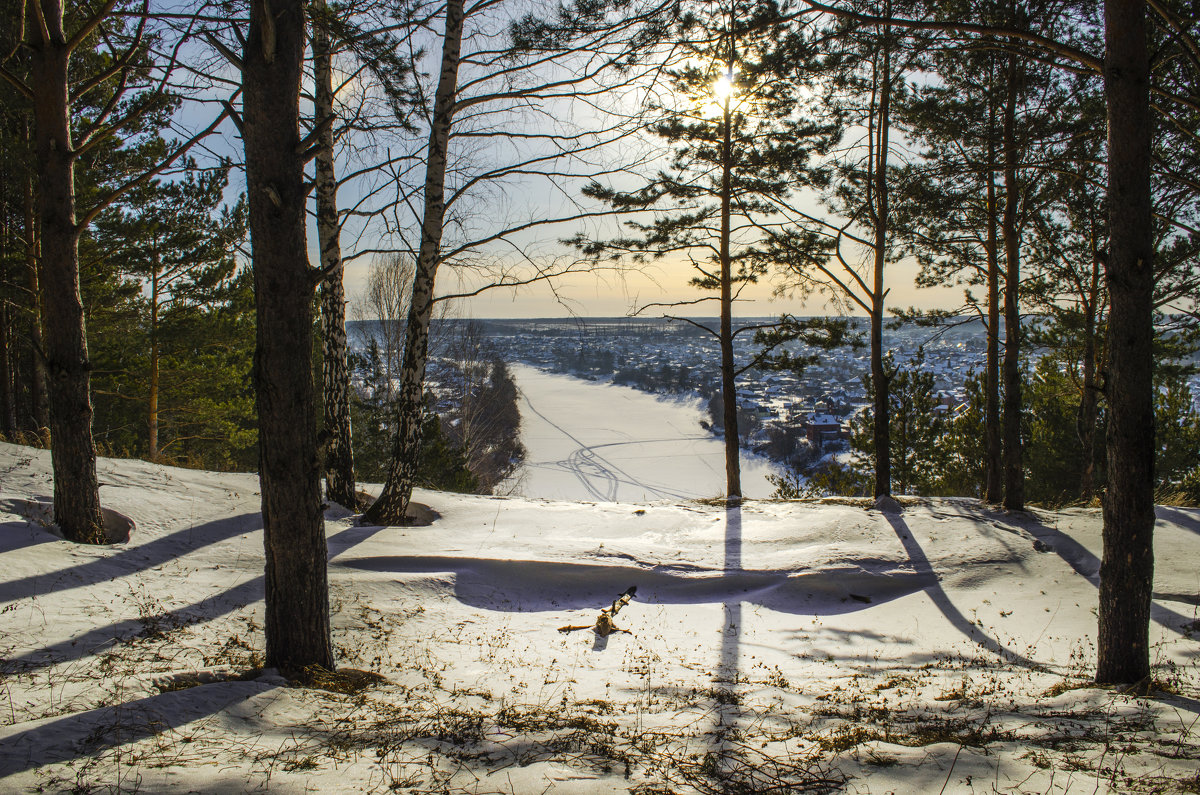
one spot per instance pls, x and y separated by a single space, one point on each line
339 454
1127 566
392 504
297 592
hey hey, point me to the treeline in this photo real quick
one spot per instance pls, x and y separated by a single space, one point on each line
166 301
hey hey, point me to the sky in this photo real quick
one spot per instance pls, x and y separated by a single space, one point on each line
610 295
517 200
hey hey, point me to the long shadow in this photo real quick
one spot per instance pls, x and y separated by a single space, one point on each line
520 585
941 599
75 735
84 733
208 608
1181 519
129 559
19 535
1087 565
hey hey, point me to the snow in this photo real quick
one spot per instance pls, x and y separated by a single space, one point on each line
773 644
599 441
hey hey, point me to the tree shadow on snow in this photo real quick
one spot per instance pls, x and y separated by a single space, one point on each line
94 731
1085 563
120 561
942 601
539 586
212 606
1179 517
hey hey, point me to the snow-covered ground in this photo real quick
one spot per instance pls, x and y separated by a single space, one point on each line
599 441
772 647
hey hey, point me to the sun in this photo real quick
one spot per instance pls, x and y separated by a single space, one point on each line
724 87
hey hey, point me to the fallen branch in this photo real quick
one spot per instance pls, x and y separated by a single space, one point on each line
604 625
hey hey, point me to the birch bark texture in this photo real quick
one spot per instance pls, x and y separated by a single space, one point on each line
392 504
335 369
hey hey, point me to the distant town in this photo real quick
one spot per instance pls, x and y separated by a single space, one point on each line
677 357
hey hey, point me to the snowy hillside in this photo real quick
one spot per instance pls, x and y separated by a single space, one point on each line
772 647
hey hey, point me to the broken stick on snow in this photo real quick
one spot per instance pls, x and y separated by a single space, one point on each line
604 625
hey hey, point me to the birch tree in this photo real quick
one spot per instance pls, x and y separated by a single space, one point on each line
501 97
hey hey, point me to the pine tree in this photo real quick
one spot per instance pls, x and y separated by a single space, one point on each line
740 142
172 237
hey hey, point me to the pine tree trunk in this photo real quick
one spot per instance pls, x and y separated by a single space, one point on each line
994 472
8 407
1088 403
297 592
1127 567
392 504
73 453
38 398
733 464
1014 473
152 409
339 455
879 375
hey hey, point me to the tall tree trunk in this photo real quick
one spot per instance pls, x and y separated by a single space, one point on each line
73 453
994 482
392 504
1014 473
1127 567
733 464
1088 403
879 375
297 591
152 408
339 455
8 405
38 399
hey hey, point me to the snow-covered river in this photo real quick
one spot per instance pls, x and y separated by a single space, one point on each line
597 441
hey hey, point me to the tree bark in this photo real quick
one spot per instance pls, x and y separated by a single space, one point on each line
152 407
392 504
1088 401
994 445
733 464
38 399
1127 566
73 453
879 375
8 408
339 454
1014 473
297 593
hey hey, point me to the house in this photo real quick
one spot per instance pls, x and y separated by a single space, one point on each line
820 428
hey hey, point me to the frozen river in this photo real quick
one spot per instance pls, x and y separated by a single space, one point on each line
597 441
